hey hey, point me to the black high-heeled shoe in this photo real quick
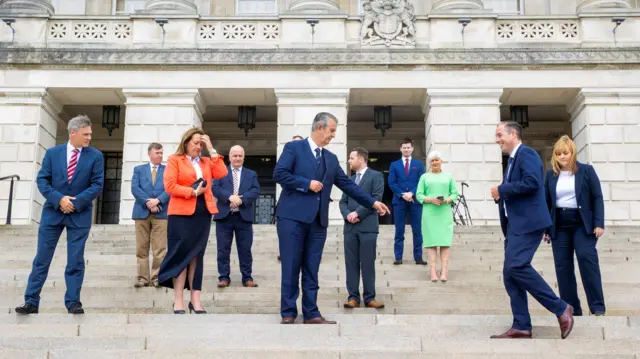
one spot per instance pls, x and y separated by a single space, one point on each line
181 311
192 309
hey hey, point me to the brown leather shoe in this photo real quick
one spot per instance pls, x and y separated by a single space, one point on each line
351 304
250 284
513 333
319 320
288 320
375 304
566 322
223 284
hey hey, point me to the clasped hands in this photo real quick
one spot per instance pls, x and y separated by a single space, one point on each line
437 201
235 201
153 205
66 206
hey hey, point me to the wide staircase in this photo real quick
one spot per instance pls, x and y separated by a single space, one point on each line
421 319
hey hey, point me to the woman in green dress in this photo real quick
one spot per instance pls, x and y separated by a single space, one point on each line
437 190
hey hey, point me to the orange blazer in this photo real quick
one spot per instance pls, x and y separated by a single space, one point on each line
180 174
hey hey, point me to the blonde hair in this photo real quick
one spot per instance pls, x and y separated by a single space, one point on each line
182 148
564 144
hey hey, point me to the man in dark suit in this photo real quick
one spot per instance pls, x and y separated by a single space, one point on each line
361 232
524 218
71 177
404 175
307 172
236 194
294 138
150 215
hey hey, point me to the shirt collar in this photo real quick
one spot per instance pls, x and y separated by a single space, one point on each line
239 169
313 145
70 148
194 159
152 165
515 150
404 159
362 171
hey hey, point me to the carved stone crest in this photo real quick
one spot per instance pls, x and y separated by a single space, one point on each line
387 23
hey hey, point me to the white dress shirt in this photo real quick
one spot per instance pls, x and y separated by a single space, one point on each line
196 165
566 190
361 172
512 155
70 149
152 166
313 146
239 174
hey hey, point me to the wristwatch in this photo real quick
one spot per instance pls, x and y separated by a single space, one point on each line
213 152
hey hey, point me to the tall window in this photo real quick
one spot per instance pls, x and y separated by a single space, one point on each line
505 6
129 6
256 7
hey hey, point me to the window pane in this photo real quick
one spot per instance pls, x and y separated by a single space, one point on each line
254 7
129 6
503 6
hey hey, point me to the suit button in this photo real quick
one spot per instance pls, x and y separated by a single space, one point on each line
318 198
579 207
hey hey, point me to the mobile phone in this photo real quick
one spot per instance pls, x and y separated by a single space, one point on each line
195 184
441 198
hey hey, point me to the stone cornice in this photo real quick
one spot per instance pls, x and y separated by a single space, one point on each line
318 57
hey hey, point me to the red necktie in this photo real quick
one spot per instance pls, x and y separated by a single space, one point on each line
406 166
72 164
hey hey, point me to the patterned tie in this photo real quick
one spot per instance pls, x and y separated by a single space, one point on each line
153 175
406 166
73 163
318 157
358 178
236 186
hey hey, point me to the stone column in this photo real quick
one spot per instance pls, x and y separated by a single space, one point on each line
178 7
460 124
154 115
605 127
296 110
26 7
456 5
28 125
314 6
599 5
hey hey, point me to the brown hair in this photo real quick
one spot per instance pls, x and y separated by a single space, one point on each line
406 141
182 148
362 153
564 144
154 146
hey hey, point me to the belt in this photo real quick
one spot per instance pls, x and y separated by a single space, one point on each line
234 213
566 209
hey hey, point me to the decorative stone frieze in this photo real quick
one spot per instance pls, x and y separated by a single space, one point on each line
457 5
387 23
538 31
598 5
26 7
178 7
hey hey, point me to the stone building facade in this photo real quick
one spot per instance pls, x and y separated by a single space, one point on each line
449 69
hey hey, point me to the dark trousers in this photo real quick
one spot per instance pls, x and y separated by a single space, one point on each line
48 236
520 278
360 255
301 245
400 213
243 230
571 236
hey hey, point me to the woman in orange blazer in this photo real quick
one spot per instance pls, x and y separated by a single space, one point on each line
190 211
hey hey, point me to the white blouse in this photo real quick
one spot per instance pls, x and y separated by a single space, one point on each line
196 166
566 191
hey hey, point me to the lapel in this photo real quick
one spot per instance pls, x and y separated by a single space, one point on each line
366 175
147 173
187 165
579 179
159 174
310 155
323 158
82 162
515 159
553 183
63 162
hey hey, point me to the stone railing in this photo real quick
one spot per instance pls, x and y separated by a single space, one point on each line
543 31
115 31
220 31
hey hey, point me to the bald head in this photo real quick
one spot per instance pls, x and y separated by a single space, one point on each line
236 156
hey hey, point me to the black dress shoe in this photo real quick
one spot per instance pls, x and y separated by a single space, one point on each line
192 309
27 308
76 308
397 262
421 262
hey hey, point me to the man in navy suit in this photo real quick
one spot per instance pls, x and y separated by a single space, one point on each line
307 172
150 215
236 194
404 175
524 218
71 177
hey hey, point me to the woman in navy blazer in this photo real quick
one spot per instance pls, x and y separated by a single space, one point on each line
574 198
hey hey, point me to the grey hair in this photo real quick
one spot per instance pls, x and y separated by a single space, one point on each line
322 119
432 156
78 122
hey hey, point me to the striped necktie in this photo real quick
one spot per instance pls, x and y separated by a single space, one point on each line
73 163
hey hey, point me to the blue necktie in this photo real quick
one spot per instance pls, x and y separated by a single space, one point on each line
509 164
318 157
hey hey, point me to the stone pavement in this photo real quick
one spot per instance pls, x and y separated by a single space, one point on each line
421 319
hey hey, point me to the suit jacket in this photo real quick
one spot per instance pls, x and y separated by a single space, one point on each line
180 175
294 171
523 193
86 184
588 196
371 183
143 189
249 189
399 182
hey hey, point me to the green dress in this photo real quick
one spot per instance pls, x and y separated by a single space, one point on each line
437 221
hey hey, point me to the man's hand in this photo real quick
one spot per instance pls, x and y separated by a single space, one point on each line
65 204
235 200
408 196
381 208
547 238
315 186
598 232
154 209
353 217
495 194
152 202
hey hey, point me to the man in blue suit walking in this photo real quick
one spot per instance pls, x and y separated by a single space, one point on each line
307 172
524 218
150 215
236 194
404 175
71 177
